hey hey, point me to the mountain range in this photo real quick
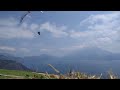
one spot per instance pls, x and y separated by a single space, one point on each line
83 54
75 58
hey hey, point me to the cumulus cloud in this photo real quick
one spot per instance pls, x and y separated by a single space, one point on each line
72 48
57 31
101 18
24 50
9 29
102 30
77 34
28 16
34 26
15 32
61 51
8 21
45 50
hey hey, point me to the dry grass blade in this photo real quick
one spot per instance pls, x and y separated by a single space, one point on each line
54 68
111 75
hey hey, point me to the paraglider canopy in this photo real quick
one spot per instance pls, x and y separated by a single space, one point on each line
22 18
28 12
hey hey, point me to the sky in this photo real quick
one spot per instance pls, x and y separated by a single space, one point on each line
62 32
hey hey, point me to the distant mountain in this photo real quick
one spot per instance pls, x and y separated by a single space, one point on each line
8 61
12 65
42 59
7 56
92 54
84 58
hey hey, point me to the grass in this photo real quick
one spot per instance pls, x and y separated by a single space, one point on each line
14 74
17 74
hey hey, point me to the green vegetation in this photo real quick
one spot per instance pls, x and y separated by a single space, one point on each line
19 74
16 74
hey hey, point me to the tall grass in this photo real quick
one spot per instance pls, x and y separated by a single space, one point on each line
16 74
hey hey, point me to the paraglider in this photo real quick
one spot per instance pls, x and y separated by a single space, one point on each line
39 33
22 18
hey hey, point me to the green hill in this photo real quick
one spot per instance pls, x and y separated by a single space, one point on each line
12 65
16 74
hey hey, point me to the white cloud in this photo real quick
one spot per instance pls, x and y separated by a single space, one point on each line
8 21
28 16
102 30
99 26
63 50
24 25
24 50
34 26
57 31
72 48
7 48
15 32
9 29
101 18
77 34
44 50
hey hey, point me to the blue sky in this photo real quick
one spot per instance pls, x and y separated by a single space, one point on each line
62 32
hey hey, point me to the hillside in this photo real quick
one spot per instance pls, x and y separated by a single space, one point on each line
7 56
12 65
